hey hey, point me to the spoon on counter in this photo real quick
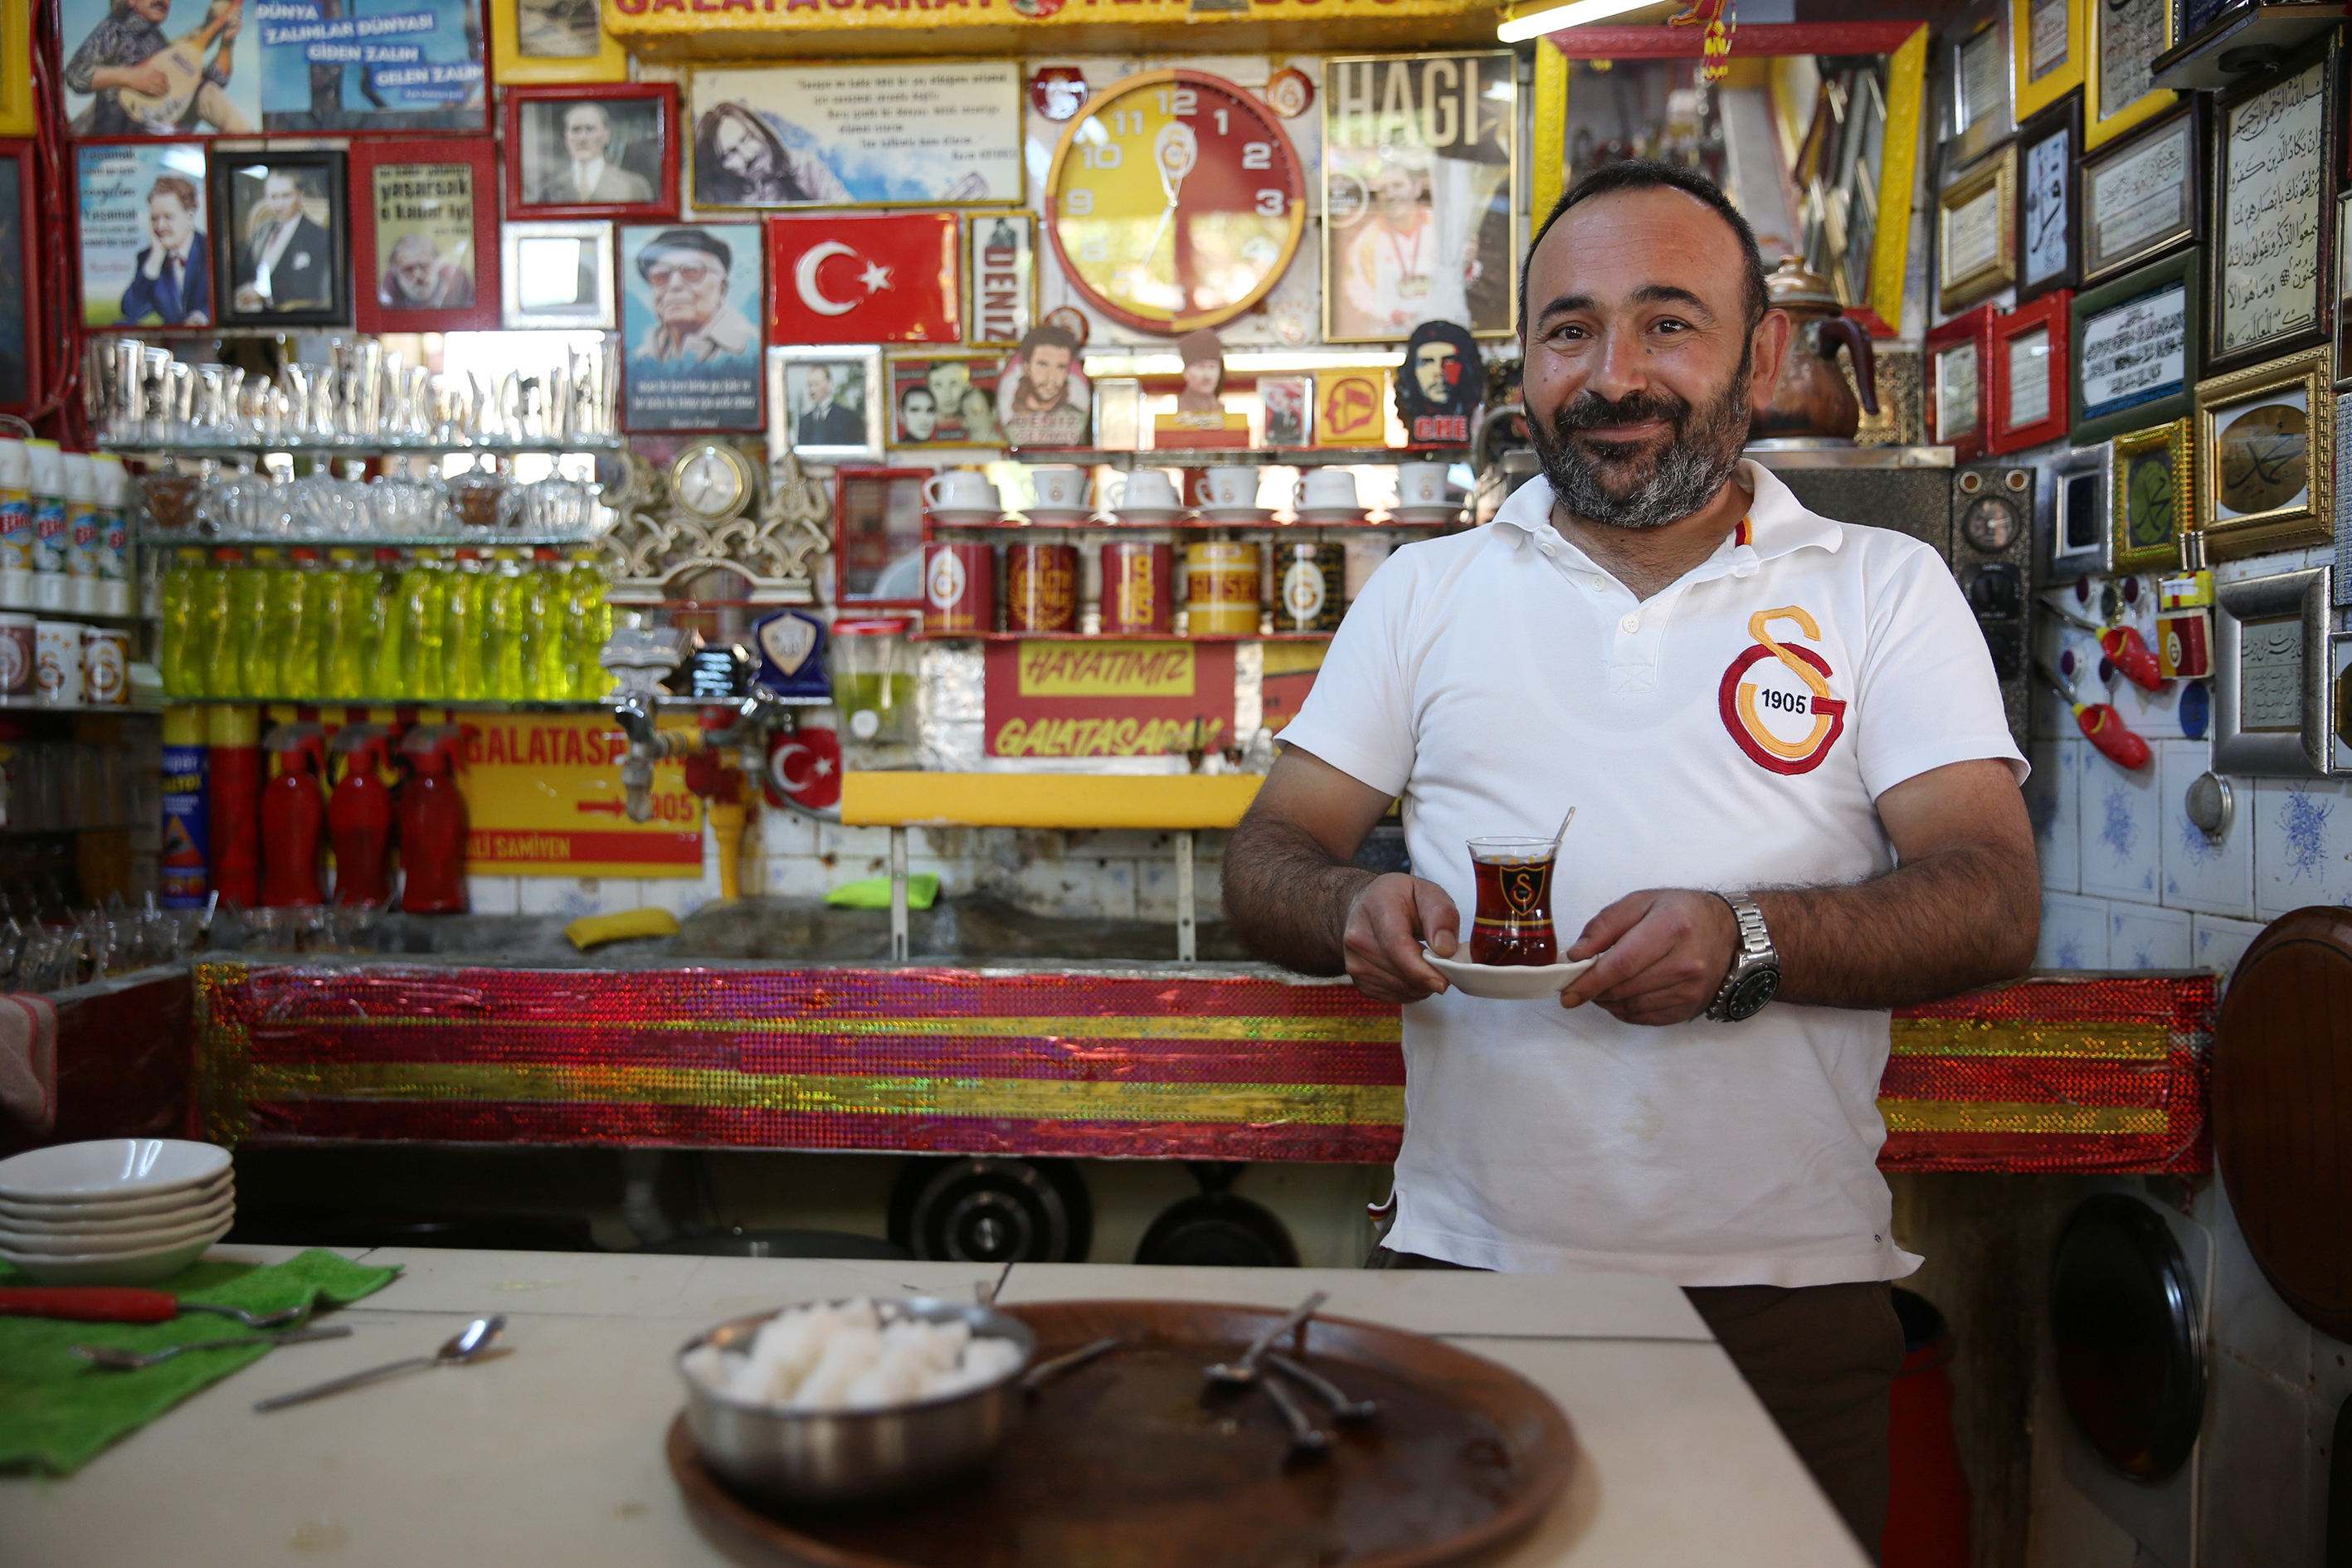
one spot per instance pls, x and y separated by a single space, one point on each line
463 1345
1242 1372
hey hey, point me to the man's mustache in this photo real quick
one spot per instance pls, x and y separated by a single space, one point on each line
1588 410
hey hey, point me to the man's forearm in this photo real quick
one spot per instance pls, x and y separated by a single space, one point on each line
1953 921
1287 898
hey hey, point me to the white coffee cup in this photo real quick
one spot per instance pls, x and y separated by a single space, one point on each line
1060 488
1149 489
959 489
1326 489
1232 488
1422 484
57 649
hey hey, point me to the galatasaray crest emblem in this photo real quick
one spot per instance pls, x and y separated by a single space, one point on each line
1782 714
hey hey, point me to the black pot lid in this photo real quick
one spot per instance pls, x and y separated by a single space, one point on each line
2131 1358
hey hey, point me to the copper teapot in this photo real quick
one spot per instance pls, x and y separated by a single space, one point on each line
1812 399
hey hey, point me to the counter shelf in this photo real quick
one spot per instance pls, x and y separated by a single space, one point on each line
158 449
668 702
478 539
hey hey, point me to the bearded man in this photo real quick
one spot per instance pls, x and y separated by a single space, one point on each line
1797 807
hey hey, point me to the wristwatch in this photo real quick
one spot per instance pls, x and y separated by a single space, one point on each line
1755 974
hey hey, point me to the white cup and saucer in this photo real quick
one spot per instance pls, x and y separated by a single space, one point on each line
1148 496
1425 494
961 497
1230 495
1327 496
1061 492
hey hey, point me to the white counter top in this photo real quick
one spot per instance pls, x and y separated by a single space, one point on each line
551 1451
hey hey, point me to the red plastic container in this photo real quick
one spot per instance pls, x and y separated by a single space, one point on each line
433 825
1928 1496
293 827
359 822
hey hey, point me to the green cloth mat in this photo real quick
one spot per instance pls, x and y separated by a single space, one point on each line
56 1411
874 892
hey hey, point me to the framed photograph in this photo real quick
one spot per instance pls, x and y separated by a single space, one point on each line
2144 197
1043 398
592 152
691 301
2074 500
146 244
2153 475
1415 228
1976 232
877 537
808 135
2049 230
2029 375
425 235
2271 262
826 404
2118 89
2050 43
557 273
20 303
282 244
553 40
2139 348
944 400
2266 457
18 114
999 268
1980 113
2273 679
171 69
1959 357
1289 404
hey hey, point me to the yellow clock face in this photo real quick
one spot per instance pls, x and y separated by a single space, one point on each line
1176 201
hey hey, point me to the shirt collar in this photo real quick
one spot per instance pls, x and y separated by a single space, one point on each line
1778 524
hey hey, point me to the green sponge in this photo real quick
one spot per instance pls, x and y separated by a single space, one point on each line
874 892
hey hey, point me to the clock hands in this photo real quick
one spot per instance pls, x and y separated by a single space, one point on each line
1175 152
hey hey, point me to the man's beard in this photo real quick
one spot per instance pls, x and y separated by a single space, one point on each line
1622 488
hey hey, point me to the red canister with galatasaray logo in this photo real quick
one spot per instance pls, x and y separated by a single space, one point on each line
959 588
1139 589
1041 587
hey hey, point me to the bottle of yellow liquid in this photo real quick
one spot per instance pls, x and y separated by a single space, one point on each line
348 633
591 622
260 610
182 586
510 602
302 655
425 598
546 649
466 632
385 676
213 628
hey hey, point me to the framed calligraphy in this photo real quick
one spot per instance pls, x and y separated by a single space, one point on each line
2154 497
2273 212
1976 232
2028 387
1958 354
2048 45
2144 197
2048 221
1978 112
2139 348
2118 91
2267 455
2273 688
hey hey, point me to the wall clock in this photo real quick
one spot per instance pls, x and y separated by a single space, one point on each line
712 480
1176 200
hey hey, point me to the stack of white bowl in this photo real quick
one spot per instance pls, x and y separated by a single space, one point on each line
114 1211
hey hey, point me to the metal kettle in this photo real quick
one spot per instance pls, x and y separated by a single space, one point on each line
1812 400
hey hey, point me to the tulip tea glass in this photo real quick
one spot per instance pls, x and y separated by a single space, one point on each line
1513 923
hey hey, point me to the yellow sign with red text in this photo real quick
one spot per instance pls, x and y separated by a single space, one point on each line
543 798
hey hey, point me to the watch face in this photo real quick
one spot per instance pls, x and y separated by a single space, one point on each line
1176 200
1748 998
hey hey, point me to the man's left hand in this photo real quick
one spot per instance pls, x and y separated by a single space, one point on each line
1663 956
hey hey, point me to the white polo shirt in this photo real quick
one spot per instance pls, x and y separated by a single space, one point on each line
1732 731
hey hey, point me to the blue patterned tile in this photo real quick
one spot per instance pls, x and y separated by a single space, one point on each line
2217 945
2198 873
2303 846
2139 937
2073 933
2054 796
2120 819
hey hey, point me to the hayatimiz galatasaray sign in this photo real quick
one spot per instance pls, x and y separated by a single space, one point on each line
1101 699
641 16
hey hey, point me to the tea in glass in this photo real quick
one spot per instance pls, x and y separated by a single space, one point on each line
1513 925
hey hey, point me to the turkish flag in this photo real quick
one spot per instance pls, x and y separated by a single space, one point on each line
882 279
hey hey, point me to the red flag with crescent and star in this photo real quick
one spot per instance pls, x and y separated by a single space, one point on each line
838 278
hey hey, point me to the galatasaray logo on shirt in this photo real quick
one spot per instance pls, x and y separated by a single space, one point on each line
1782 715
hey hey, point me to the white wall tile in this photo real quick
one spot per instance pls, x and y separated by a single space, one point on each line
2217 945
786 832
2053 796
1084 889
2120 819
2303 846
2198 873
2073 933
572 896
798 877
681 896
2141 937
493 896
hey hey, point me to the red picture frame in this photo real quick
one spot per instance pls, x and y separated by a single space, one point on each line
850 491
370 309
1970 331
662 94
20 276
2049 316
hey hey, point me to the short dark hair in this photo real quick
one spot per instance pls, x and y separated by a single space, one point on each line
1046 336
1641 174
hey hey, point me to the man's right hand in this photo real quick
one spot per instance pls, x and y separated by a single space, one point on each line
151 81
1391 916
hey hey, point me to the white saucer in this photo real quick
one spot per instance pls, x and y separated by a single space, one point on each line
1149 516
1508 982
1237 517
1058 516
1421 514
1331 516
966 517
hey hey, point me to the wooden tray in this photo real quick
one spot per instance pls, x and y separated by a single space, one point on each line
1135 1461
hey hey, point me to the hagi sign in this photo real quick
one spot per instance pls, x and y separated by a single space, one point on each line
1104 699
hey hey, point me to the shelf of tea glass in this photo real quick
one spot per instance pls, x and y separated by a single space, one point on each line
668 702
1366 526
1119 637
358 448
1237 456
478 539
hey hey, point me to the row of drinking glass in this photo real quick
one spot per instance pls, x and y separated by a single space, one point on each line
238 503
48 954
140 395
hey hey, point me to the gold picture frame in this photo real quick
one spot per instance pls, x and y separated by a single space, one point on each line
2061 58
2136 494
2256 491
609 63
18 115
1963 278
2148 16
